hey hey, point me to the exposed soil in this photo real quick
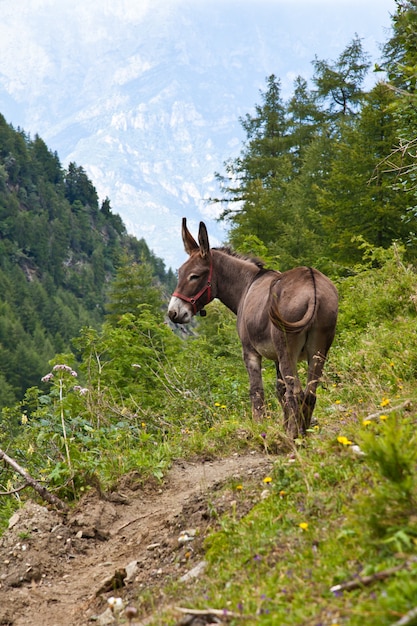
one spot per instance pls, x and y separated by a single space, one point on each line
58 570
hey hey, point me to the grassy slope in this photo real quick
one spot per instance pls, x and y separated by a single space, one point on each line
328 513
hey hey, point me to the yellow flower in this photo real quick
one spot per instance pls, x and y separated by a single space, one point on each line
303 525
24 419
239 487
337 401
366 422
384 402
282 493
223 406
217 404
267 479
344 441
383 417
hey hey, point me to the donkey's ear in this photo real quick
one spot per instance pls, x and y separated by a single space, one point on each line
203 241
190 244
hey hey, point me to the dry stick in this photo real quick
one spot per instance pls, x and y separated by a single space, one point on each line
42 491
408 618
368 580
399 407
13 491
223 614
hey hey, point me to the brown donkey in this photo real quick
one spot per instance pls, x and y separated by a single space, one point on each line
285 317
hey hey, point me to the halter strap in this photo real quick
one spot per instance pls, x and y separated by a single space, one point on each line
194 299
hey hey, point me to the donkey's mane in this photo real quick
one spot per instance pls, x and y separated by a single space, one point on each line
255 260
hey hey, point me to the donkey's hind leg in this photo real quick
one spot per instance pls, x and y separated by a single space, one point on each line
289 390
315 370
253 362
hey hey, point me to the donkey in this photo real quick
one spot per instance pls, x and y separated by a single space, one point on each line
283 316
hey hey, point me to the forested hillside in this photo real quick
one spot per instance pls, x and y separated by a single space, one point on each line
58 251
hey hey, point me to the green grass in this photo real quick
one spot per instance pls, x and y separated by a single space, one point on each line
319 527
340 505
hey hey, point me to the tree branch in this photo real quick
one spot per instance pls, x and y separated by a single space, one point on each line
223 614
13 491
42 491
368 580
408 618
405 405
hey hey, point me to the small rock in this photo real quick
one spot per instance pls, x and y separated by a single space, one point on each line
187 535
114 582
106 618
355 449
13 520
195 572
131 571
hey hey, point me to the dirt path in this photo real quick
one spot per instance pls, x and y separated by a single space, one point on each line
60 572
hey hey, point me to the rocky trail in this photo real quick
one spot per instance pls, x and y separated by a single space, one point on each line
60 570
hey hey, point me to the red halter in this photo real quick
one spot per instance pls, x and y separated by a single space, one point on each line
194 300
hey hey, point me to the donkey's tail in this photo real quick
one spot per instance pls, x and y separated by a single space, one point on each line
300 325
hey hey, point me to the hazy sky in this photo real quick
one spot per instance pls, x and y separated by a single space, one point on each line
146 95
34 34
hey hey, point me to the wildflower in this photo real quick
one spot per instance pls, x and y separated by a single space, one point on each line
344 441
81 390
267 479
282 493
239 487
24 419
384 402
383 417
131 612
217 404
64 368
337 401
115 604
366 422
47 378
303 525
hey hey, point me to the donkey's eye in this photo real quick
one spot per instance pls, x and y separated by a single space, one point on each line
194 277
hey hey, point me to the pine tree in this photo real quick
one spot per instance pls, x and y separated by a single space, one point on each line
339 84
133 286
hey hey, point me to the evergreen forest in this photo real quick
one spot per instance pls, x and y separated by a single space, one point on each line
59 251
95 385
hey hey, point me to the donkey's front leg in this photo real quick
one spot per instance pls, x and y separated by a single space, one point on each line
253 362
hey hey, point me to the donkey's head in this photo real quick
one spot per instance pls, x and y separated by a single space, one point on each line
193 290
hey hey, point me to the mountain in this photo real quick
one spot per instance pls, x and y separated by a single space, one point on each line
147 96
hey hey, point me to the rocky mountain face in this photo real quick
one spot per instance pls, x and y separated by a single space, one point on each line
147 95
